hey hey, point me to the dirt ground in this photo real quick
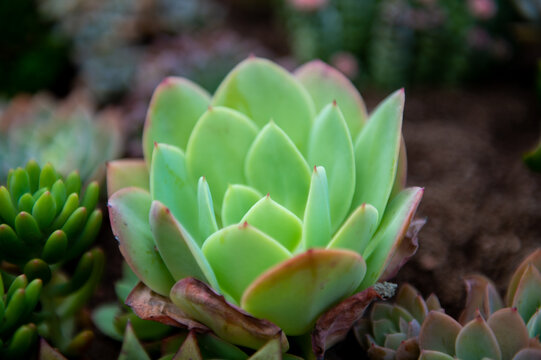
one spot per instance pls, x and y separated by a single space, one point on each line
482 204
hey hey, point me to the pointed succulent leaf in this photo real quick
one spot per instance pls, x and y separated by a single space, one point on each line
104 319
325 84
7 208
175 107
272 150
171 184
252 89
316 232
510 331
410 299
180 253
249 249
131 347
129 210
309 284
482 297
393 227
228 322
213 347
33 170
433 303
48 176
434 355
527 297
401 170
19 184
528 354
357 230
380 353
44 210
26 202
206 215
238 199
376 153
438 333
59 193
393 341
189 349
47 352
276 221
126 173
381 311
477 341
534 324
217 149
534 259
408 349
270 351
330 146
333 326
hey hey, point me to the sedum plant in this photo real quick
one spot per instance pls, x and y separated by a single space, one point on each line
278 196
47 221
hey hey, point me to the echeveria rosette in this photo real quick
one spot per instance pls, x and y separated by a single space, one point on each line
278 184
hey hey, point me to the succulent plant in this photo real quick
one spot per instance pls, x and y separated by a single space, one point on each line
67 134
193 220
488 327
43 226
391 330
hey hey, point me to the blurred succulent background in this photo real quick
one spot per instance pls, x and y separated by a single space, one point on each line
76 78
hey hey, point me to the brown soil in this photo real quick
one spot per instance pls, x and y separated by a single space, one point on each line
483 205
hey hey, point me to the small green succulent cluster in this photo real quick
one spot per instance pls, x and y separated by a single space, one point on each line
69 134
400 41
45 222
334 219
488 327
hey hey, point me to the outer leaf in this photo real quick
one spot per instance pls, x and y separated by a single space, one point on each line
330 146
357 230
272 150
325 84
263 91
238 199
251 251
482 297
276 221
528 354
534 259
317 220
272 350
410 299
528 295
176 105
171 184
46 352
179 251
392 228
128 210
228 322
126 173
477 341
510 331
308 284
333 325
376 153
217 149
534 324
439 333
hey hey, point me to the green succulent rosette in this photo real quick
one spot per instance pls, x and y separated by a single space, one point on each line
278 193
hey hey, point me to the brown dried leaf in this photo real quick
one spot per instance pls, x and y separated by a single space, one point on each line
149 305
333 325
226 320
